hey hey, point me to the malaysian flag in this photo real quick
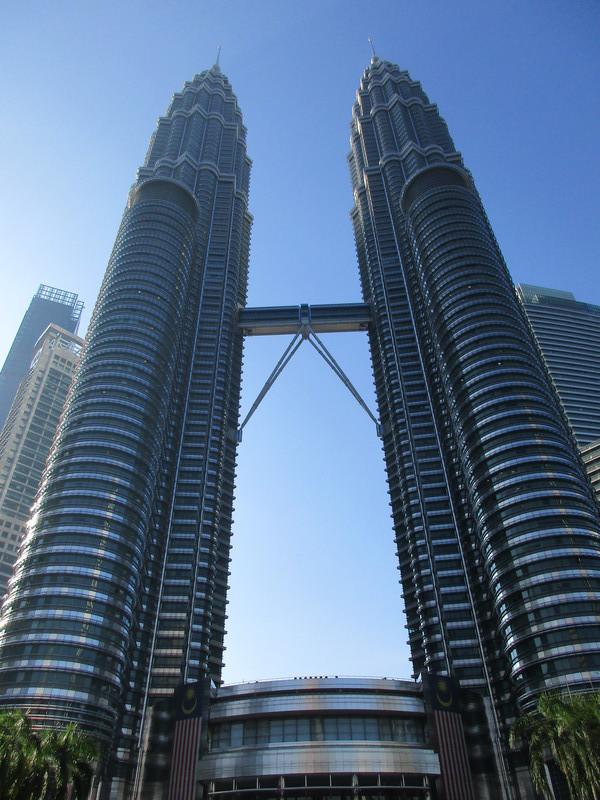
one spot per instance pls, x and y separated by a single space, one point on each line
442 699
189 704
454 762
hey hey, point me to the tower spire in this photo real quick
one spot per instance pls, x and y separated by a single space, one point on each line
218 59
372 48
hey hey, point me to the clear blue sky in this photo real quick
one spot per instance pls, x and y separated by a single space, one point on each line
314 582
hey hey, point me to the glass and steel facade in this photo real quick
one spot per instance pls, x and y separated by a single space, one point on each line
568 333
319 737
496 524
591 458
119 593
48 305
28 434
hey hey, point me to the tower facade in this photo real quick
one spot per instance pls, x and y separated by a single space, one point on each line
124 569
119 592
591 458
568 333
28 433
48 305
493 513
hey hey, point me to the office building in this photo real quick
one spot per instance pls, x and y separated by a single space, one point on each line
568 333
491 506
28 433
317 737
48 305
119 594
124 574
591 458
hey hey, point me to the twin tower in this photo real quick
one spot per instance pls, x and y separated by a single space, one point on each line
119 593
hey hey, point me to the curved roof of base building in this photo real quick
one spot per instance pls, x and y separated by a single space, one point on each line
317 732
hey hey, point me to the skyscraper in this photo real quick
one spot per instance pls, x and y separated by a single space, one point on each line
48 305
28 434
568 333
496 525
119 594
124 574
591 458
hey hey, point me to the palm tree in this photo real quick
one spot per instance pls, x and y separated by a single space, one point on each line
73 757
56 764
564 729
21 776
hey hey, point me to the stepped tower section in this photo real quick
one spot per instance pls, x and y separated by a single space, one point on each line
496 526
119 592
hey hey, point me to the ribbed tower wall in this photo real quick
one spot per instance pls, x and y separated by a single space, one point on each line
497 531
536 519
120 591
428 514
70 614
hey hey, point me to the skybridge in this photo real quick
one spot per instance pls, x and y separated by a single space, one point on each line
304 323
274 320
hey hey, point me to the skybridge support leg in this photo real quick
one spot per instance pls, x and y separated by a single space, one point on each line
305 332
330 360
279 367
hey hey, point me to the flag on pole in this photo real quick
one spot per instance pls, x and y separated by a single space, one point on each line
189 702
442 701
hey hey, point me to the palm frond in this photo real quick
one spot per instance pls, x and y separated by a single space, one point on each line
564 729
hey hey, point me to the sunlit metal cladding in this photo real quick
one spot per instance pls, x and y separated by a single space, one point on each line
320 725
568 333
119 593
497 529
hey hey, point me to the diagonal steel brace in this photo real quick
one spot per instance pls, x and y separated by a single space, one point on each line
305 332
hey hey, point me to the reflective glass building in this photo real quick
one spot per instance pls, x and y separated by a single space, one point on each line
48 305
28 434
591 458
119 592
497 530
568 333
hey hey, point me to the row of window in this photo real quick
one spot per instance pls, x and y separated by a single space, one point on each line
409 730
